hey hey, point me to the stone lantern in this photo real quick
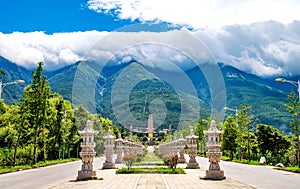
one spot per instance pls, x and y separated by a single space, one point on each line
181 146
87 152
109 151
125 147
214 153
119 150
192 145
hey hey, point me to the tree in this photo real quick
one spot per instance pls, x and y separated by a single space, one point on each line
293 107
128 159
271 141
199 132
229 142
55 126
35 103
245 121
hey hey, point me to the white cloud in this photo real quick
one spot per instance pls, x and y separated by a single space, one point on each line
265 49
201 14
55 50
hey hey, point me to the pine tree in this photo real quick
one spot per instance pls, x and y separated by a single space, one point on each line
35 103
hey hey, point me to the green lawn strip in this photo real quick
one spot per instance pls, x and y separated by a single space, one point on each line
7 169
158 170
150 159
290 169
244 161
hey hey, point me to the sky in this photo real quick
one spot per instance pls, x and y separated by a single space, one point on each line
257 36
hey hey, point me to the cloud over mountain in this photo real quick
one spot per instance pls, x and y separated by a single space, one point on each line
55 50
264 48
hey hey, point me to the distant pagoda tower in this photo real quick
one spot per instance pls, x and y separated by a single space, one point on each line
150 126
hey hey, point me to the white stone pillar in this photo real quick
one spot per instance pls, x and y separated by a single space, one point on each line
109 151
119 150
214 152
192 145
87 152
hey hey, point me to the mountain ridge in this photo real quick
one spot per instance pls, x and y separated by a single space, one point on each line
264 94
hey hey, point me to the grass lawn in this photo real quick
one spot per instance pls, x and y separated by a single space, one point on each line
7 169
290 169
159 170
150 159
244 161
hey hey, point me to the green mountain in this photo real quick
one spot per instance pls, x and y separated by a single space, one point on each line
127 93
265 96
13 72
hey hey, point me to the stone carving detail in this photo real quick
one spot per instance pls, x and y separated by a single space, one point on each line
109 151
192 145
87 152
181 141
119 150
214 152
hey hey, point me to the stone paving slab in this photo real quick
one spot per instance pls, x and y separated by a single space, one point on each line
190 180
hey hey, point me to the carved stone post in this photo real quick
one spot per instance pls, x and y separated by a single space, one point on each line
125 147
87 152
192 145
181 149
109 151
119 150
214 153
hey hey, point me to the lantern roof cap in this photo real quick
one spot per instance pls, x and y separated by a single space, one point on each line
213 129
88 129
192 135
109 136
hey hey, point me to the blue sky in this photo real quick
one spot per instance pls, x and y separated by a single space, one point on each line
257 36
53 16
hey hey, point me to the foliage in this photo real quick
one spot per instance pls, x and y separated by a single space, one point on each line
229 142
293 107
199 132
7 169
271 140
150 159
42 126
171 160
245 121
2 72
159 170
128 159
289 169
34 103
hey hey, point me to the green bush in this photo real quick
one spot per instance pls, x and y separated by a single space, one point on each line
171 161
6 157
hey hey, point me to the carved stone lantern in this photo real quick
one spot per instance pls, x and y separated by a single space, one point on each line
119 150
125 147
214 152
109 151
192 145
87 152
181 146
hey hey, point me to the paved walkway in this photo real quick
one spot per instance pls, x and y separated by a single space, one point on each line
190 180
